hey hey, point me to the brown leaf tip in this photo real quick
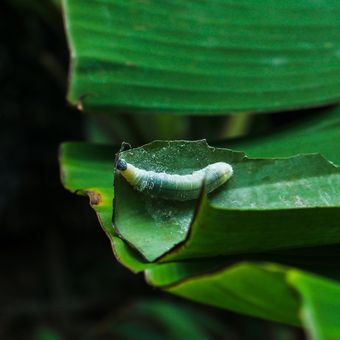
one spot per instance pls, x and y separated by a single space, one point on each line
95 197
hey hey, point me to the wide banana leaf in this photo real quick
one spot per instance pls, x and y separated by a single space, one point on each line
208 56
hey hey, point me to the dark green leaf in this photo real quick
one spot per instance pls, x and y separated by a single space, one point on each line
320 133
162 320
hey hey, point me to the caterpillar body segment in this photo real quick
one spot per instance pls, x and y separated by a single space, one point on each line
175 187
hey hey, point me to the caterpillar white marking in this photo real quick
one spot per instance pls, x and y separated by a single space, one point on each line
175 187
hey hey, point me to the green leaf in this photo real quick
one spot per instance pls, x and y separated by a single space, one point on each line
267 204
320 307
265 290
87 169
159 319
319 260
254 289
152 225
82 164
213 56
319 133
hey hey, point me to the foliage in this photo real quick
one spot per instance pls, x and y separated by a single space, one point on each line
203 56
265 243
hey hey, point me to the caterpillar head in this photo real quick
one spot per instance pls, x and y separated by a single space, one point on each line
121 165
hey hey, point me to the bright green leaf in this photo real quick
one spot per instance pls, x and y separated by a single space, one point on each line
82 164
258 290
268 291
320 304
253 289
267 204
215 56
87 169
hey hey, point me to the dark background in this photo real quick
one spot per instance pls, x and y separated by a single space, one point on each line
59 278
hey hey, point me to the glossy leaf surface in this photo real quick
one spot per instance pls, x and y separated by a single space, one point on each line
267 204
215 56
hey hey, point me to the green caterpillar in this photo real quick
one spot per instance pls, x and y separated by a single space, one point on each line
175 187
